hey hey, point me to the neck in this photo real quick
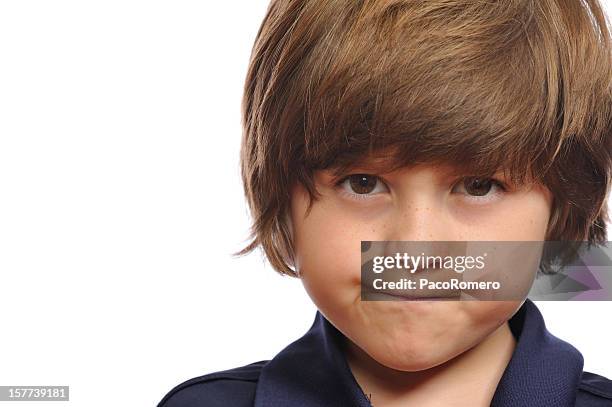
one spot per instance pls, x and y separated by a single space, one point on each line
468 379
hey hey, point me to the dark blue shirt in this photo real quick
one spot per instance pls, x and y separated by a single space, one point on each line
313 372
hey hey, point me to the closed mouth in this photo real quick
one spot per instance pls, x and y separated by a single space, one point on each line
407 297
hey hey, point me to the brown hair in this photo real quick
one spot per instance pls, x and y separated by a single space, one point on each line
519 85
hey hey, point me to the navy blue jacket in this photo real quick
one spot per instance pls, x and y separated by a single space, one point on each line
313 372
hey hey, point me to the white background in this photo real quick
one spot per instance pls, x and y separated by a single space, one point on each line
120 203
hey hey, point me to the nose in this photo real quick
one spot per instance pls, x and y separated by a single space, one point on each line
420 211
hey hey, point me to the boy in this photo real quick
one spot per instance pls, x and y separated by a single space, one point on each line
420 120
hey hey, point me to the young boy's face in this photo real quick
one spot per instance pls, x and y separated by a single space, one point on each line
420 203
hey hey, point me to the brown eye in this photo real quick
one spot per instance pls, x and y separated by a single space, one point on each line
361 186
477 186
480 190
362 183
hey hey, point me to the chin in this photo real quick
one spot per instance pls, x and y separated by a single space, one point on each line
410 356
413 364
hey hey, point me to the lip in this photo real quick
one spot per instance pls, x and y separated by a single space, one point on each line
403 294
399 297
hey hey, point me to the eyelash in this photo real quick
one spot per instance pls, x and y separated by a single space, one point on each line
364 197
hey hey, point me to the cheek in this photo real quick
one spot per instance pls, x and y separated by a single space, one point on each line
522 217
328 253
529 224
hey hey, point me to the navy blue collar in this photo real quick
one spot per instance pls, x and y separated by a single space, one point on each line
313 371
